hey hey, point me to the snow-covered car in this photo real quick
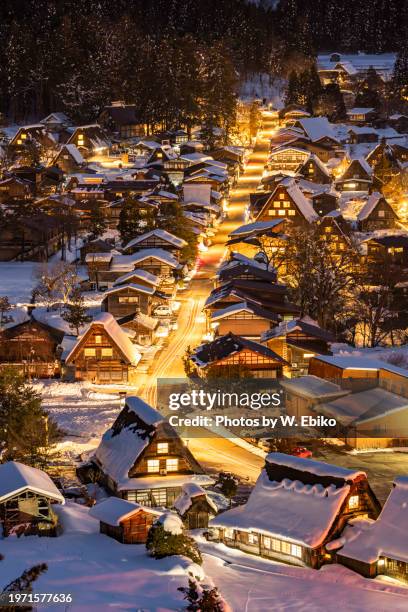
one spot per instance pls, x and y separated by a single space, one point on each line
162 311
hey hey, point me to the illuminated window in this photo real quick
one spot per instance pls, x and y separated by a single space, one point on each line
90 352
286 548
308 355
229 533
353 502
153 465
296 550
292 213
24 136
252 538
98 339
162 447
276 545
286 204
19 141
271 213
172 465
267 543
276 204
381 213
398 250
107 352
281 212
281 196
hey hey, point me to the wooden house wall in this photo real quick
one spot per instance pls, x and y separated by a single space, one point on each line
114 303
249 327
101 368
176 450
154 242
281 205
199 513
132 530
288 159
31 510
382 217
254 361
28 341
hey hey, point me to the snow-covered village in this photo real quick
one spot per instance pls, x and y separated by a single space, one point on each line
204 201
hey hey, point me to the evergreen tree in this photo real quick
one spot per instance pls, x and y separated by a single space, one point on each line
27 434
331 103
292 91
201 598
173 220
75 313
227 484
314 89
133 221
97 220
166 537
24 584
400 75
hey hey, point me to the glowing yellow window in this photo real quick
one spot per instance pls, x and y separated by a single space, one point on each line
271 213
281 196
286 205
353 502
282 212
153 465
276 204
107 352
90 352
162 447
98 339
292 213
24 136
172 465
19 141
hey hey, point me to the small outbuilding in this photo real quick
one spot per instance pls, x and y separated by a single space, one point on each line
194 506
26 498
125 521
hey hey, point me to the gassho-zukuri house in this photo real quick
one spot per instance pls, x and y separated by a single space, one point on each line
142 459
297 507
381 547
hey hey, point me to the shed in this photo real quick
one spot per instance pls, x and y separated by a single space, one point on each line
26 497
194 506
125 521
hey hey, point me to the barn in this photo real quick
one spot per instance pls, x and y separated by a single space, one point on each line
125 521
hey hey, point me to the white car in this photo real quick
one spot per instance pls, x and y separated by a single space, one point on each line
162 311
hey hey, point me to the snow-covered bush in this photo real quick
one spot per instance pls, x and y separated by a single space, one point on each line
166 537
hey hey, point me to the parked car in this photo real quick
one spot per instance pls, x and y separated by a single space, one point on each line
301 451
162 311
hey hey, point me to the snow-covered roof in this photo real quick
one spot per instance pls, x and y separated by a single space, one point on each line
257 226
347 362
303 204
57 117
131 287
125 261
383 63
98 257
387 536
74 152
369 206
312 387
159 233
146 321
318 468
289 509
216 315
114 510
317 128
115 332
364 406
17 477
144 411
138 273
360 110
122 444
286 327
186 497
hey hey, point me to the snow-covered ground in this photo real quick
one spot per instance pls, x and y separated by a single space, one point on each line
82 413
252 584
100 573
17 280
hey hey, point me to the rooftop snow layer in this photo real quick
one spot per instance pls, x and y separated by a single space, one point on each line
114 510
16 477
301 513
